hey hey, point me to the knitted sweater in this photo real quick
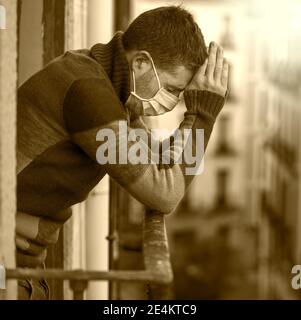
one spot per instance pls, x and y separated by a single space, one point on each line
60 110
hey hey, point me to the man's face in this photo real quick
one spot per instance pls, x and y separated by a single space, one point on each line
146 81
147 85
173 81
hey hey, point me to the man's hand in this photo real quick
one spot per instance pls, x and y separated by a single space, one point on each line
213 74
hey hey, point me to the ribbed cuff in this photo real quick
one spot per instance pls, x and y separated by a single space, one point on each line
201 100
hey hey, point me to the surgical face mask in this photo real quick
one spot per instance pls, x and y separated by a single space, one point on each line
162 102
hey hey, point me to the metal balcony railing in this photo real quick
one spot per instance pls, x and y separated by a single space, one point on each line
157 274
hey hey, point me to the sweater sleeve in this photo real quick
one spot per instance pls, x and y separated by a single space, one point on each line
91 105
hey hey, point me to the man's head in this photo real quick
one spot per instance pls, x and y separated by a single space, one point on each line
170 37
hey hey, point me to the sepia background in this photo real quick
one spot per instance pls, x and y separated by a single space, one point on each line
237 232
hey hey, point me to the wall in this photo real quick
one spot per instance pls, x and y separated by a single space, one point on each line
8 83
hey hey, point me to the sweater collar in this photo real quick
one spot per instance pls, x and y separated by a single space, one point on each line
112 57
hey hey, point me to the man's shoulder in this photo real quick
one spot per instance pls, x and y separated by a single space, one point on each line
78 63
91 102
54 80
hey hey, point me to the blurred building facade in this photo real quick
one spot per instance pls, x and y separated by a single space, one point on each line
236 233
274 181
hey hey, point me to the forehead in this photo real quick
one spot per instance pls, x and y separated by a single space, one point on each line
179 77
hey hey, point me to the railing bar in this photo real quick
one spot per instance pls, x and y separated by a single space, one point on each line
78 287
137 275
155 245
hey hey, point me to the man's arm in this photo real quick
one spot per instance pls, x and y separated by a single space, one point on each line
90 106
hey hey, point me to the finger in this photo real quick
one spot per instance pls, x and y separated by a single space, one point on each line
211 60
219 65
203 67
225 74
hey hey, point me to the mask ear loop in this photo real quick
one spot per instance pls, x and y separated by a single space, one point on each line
134 81
156 74
152 61
134 92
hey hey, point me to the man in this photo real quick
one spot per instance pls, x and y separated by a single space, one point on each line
61 109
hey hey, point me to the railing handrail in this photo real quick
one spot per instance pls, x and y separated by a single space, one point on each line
157 263
155 245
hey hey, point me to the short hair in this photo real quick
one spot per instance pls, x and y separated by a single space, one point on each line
170 35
